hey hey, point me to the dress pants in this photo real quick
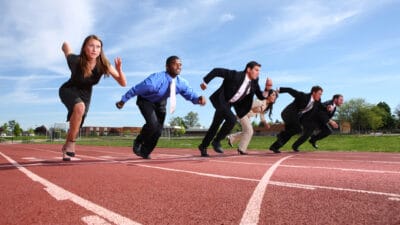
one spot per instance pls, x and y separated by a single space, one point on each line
245 135
292 127
325 130
308 129
154 114
220 115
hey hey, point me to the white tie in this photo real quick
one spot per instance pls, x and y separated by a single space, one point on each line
172 96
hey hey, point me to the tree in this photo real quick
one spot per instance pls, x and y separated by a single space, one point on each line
191 120
5 128
375 116
177 121
11 125
389 122
42 130
17 131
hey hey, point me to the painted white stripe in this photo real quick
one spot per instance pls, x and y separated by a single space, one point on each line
349 160
276 183
197 173
313 167
252 213
94 220
395 199
62 194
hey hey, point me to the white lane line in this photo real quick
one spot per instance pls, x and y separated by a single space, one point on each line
313 167
62 194
348 160
197 173
252 213
94 220
276 183
395 199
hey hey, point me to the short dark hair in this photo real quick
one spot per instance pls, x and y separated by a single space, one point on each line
316 88
336 96
171 59
252 64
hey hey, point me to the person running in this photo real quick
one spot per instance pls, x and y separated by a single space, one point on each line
237 90
86 70
259 107
152 95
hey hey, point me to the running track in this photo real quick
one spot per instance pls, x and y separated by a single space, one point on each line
109 185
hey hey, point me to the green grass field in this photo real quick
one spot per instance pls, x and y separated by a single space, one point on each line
332 143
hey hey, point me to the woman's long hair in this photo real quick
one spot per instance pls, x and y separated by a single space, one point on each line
102 63
271 104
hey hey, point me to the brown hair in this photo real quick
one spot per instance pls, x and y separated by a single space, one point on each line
271 104
102 63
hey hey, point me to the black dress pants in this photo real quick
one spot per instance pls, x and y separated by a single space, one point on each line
154 114
220 115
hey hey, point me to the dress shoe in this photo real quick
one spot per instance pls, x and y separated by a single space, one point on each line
203 151
295 149
314 144
217 147
240 152
274 150
229 141
145 156
137 148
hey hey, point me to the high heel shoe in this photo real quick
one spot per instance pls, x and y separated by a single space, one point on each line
68 150
240 152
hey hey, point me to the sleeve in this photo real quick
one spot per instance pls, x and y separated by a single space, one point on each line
291 91
142 88
186 91
216 72
72 61
257 90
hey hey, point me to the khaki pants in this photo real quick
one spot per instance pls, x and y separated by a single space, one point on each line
245 135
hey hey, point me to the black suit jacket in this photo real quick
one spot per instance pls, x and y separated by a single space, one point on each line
323 115
232 81
292 112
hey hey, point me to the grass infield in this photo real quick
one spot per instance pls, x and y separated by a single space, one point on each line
368 143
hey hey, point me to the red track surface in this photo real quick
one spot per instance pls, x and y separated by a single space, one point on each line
109 185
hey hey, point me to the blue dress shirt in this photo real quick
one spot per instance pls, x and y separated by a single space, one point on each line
155 88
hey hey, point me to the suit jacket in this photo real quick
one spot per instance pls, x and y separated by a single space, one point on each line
232 81
323 115
292 112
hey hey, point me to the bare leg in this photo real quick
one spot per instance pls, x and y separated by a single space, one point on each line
74 125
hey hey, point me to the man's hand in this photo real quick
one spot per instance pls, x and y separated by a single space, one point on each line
203 86
333 124
119 104
268 84
202 100
329 108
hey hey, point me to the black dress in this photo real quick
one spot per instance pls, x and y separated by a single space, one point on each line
78 89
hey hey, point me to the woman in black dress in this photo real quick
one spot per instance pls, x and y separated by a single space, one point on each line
86 70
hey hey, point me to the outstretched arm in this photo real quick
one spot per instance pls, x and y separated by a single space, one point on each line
117 72
66 48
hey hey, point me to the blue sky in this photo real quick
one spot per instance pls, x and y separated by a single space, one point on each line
350 47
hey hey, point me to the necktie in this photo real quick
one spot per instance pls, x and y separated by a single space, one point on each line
245 92
308 107
172 96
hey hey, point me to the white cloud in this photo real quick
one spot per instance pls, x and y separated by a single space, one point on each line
227 17
33 31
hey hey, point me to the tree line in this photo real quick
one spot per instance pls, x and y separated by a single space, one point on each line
362 116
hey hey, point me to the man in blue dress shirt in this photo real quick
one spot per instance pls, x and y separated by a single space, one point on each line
152 94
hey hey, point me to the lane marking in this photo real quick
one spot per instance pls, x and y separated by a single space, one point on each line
276 183
395 199
61 194
314 167
94 220
197 173
252 213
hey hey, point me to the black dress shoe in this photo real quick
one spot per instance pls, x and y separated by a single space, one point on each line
314 144
240 152
275 150
217 147
137 148
295 149
203 151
